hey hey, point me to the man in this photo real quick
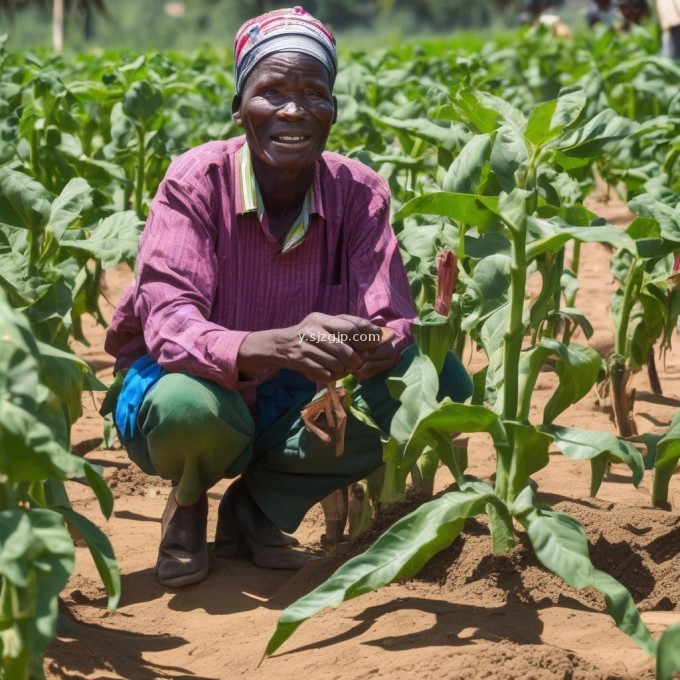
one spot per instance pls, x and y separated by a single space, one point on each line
266 266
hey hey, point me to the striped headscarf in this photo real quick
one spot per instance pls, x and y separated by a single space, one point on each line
283 30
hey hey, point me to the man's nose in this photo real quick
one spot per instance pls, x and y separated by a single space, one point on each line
292 108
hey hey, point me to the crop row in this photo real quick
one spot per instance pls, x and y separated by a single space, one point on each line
489 157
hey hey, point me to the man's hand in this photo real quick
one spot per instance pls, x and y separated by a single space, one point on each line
324 348
380 358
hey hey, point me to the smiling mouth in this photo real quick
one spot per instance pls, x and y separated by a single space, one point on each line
290 139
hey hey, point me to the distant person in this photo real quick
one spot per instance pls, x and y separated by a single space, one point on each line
600 12
533 15
620 15
634 12
668 12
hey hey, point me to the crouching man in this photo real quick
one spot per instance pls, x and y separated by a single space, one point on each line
267 265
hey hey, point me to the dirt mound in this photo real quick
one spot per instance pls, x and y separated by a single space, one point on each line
638 546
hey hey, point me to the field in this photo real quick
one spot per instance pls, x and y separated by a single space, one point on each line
536 192
477 617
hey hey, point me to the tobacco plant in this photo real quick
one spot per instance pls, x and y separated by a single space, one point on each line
529 159
36 549
646 306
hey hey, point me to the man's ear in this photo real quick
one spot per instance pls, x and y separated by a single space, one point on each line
335 109
236 109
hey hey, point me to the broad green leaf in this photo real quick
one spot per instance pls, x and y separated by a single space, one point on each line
450 417
598 447
667 217
513 209
596 136
68 207
142 102
100 488
492 283
501 525
561 546
447 136
549 119
538 125
646 324
502 533
18 360
466 172
101 550
479 211
488 112
63 374
529 454
399 553
668 653
485 245
24 202
29 451
113 240
36 557
551 236
509 157
570 104
416 387
667 458
577 369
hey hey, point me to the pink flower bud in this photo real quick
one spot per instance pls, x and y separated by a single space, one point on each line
447 276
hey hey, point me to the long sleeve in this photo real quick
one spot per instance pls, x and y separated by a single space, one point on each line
176 284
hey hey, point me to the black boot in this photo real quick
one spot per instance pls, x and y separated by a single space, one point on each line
242 528
183 552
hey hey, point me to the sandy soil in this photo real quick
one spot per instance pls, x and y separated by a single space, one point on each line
468 615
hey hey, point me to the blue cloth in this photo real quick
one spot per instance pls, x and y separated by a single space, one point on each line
278 396
139 379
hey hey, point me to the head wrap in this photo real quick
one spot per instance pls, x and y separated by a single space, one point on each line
283 30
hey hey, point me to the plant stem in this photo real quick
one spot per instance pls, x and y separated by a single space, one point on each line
515 332
8 499
669 163
392 490
551 327
576 260
571 301
460 250
629 297
511 355
653 374
34 146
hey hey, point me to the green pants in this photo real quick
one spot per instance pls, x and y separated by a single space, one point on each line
194 432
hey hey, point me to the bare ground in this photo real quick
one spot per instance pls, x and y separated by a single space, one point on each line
467 615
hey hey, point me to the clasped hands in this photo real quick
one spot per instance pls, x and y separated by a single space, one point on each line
324 348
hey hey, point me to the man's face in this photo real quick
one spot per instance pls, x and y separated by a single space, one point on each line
287 109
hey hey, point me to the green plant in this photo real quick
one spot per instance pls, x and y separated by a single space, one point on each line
517 153
36 550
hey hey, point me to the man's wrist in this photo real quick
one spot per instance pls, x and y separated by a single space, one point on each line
258 352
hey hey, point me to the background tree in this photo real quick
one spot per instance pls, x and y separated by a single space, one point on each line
60 10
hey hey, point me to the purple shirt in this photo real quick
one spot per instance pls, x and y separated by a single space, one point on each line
208 273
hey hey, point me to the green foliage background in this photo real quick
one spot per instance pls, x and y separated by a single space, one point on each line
133 24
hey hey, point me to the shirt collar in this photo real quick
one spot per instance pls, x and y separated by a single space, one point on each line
248 191
251 200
